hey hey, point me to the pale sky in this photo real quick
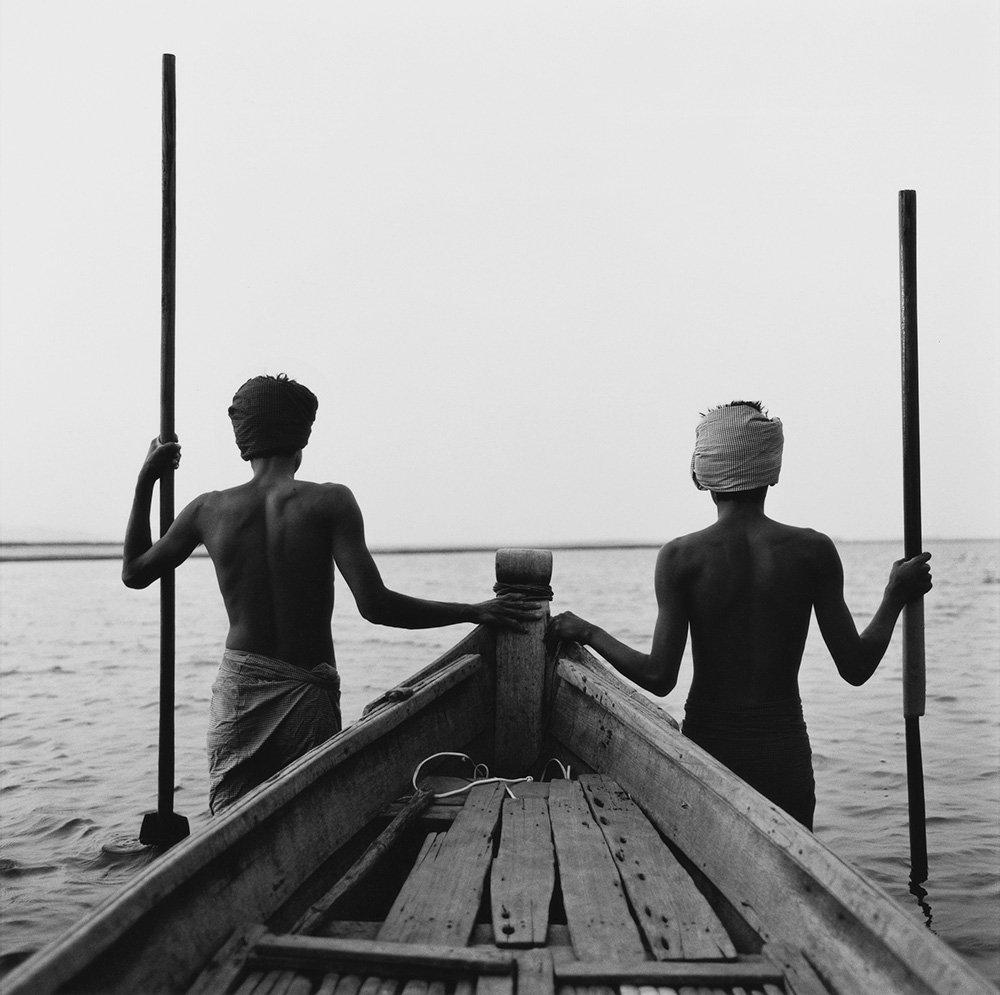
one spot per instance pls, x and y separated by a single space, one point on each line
515 249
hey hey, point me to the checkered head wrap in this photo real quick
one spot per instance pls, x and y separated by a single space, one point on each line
737 448
272 415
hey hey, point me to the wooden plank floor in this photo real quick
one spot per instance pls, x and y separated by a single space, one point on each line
585 898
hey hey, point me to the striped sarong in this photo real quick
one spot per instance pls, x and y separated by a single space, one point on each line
265 713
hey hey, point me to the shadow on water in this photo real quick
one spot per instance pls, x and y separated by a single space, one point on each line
920 894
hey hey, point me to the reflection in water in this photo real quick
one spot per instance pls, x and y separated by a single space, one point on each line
920 894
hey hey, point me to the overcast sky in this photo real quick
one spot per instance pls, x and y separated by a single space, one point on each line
515 248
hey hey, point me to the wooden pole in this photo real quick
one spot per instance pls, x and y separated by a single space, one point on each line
520 665
164 827
914 671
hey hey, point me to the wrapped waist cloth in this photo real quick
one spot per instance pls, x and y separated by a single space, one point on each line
265 713
766 745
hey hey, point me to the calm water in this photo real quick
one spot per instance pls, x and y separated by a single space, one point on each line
78 718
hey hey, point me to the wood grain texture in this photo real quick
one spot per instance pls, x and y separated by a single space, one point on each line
523 874
520 668
600 923
495 984
440 898
383 959
673 915
786 884
227 964
535 973
366 863
800 978
644 974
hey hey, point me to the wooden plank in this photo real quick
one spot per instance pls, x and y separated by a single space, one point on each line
442 812
382 958
249 984
747 972
495 984
600 924
412 887
523 874
520 667
158 932
268 982
349 984
365 864
672 913
535 973
328 985
227 964
800 978
786 884
440 899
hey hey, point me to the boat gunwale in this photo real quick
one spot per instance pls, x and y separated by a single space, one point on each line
81 946
915 949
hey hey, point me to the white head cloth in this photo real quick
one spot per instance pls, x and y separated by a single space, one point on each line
737 448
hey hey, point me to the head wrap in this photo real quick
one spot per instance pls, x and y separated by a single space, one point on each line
272 415
737 448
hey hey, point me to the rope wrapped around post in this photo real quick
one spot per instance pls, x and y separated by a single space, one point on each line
520 663
533 592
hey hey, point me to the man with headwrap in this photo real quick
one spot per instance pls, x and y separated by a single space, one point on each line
746 587
274 541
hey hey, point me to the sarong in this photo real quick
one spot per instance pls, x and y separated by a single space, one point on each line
265 713
765 745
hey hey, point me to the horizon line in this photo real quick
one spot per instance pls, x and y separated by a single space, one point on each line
32 550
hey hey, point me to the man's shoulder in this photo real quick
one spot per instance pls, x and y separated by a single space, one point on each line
802 534
682 548
333 498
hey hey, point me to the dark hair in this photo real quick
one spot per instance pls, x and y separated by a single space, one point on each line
742 497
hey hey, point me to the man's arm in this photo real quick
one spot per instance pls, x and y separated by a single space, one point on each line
857 656
382 606
656 671
144 561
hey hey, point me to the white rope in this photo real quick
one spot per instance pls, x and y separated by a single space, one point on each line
480 775
564 769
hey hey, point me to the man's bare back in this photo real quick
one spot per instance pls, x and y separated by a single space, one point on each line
746 587
274 542
749 585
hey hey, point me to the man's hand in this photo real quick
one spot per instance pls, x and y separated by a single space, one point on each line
162 456
510 611
570 627
909 579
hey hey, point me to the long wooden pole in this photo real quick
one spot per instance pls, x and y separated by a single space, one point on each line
914 669
165 827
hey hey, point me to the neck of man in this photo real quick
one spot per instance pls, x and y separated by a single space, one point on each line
275 467
737 511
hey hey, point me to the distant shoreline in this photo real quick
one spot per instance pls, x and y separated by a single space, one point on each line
41 552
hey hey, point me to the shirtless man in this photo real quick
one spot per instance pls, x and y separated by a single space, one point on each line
746 586
274 541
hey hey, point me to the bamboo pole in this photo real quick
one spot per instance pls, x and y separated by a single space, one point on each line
914 670
164 827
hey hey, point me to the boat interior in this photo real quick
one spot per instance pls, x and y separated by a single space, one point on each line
529 887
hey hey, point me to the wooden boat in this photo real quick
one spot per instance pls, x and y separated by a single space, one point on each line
650 869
